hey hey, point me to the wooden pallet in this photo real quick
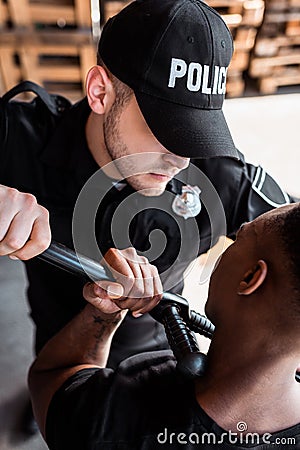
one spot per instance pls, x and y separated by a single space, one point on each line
239 12
47 41
111 8
32 13
48 60
243 18
10 72
235 85
276 71
289 76
275 59
279 5
4 14
266 47
268 66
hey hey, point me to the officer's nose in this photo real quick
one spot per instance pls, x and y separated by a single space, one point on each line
177 161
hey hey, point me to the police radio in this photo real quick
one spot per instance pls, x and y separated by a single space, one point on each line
172 312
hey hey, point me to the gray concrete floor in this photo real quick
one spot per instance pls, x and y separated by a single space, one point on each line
265 129
16 343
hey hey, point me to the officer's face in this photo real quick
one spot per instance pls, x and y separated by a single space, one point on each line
126 133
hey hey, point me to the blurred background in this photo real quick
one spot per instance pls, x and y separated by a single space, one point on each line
53 42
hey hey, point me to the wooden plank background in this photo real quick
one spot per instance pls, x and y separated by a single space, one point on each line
52 42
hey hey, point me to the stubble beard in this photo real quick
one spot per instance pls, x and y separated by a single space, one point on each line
117 149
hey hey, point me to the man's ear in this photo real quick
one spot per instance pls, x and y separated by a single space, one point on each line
99 90
253 278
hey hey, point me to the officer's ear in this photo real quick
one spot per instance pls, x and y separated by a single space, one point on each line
99 90
253 278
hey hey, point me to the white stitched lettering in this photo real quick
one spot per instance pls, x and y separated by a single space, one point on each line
194 73
207 79
205 88
216 79
178 70
222 80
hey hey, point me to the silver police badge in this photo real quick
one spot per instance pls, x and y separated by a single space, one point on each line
187 204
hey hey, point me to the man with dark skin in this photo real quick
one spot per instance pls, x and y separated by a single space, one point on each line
253 301
156 96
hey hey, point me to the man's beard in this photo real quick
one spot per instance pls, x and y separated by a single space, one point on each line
127 167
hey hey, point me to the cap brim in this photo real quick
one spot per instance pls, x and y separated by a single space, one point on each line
187 131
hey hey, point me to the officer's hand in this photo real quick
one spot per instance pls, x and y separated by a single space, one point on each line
24 225
138 286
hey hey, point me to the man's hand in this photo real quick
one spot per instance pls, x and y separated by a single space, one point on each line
138 286
24 225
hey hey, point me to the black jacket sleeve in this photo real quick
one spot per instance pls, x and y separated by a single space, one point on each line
257 193
102 408
244 192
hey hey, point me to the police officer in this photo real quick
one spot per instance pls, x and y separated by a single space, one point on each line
171 180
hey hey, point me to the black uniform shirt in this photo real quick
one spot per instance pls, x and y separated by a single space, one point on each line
143 405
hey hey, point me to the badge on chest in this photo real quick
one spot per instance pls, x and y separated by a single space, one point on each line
188 203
